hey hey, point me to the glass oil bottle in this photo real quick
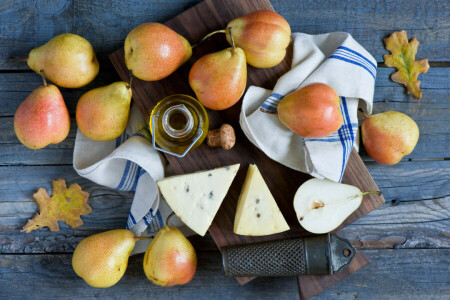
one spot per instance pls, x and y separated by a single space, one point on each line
178 123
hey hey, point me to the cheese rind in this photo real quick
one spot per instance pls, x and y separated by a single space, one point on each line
257 212
195 198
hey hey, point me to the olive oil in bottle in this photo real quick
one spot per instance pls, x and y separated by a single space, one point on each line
178 123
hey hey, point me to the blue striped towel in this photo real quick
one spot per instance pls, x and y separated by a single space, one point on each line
335 59
128 163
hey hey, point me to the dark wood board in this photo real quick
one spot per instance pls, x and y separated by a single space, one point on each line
283 182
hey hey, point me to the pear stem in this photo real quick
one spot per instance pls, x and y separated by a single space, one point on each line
364 114
131 80
372 192
168 218
233 50
43 78
18 59
207 36
212 33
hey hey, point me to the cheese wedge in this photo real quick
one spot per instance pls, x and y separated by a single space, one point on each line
196 197
257 212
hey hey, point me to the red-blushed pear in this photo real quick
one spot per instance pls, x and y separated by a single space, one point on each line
42 118
219 79
102 113
312 111
264 36
389 136
170 258
67 60
153 51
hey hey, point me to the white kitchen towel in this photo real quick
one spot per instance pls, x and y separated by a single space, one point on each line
335 59
128 163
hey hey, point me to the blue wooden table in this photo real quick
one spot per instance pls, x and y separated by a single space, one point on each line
407 239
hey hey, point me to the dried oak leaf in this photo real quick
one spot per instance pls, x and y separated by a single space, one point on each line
402 57
66 204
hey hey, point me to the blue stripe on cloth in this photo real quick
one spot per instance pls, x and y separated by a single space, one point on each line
160 220
124 175
348 136
359 54
131 221
131 177
271 103
352 62
139 173
355 58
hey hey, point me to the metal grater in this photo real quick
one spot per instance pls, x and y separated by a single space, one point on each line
317 255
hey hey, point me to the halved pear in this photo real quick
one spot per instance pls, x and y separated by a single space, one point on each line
322 205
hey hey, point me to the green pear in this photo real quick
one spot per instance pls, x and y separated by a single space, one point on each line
170 258
102 113
68 60
101 259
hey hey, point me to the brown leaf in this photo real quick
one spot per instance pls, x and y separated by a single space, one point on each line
66 204
402 57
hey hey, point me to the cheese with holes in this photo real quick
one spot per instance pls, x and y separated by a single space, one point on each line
196 197
257 212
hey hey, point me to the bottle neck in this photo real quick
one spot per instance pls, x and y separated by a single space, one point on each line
177 121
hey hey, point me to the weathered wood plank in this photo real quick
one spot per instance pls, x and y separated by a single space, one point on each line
393 274
419 217
27 24
432 115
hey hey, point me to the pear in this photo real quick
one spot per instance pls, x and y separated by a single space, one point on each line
42 118
102 113
153 51
101 259
68 60
312 111
218 79
170 258
389 136
322 205
264 36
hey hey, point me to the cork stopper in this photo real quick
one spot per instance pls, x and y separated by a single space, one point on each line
221 137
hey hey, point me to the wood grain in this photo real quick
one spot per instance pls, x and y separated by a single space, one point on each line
106 23
421 186
282 181
393 274
419 217
432 115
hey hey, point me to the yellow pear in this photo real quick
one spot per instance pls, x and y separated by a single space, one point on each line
170 258
68 60
101 259
102 113
389 136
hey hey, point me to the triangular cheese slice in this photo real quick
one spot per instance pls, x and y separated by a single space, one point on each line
257 212
196 197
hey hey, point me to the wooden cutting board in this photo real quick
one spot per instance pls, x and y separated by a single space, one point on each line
283 182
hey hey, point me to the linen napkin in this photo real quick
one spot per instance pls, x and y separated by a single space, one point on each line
129 163
335 59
